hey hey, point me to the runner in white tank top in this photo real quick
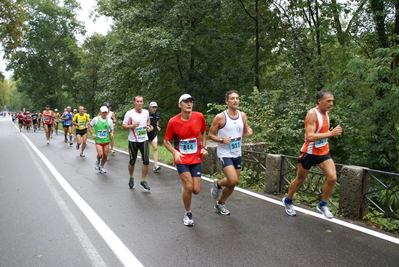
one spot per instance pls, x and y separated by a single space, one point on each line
233 128
227 129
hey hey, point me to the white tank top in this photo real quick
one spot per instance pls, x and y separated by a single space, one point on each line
234 129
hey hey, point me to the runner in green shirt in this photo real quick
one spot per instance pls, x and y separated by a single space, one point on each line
102 131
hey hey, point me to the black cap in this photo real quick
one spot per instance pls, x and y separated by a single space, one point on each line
47 105
108 105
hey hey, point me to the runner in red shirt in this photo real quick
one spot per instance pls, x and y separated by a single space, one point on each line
188 132
28 120
20 118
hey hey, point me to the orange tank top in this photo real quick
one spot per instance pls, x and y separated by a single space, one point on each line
47 117
321 147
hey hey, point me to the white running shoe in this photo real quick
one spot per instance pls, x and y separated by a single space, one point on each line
215 190
102 170
96 165
221 208
325 211
188 219
289 207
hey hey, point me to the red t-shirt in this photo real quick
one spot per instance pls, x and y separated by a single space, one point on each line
20 117
186 137
28 118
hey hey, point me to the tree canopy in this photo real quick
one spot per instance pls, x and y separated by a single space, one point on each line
276 53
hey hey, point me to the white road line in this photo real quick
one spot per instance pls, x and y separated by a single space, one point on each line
121 251
88 246
302 210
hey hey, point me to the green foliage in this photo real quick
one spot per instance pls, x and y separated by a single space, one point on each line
86 80
12 99
12 18
377 220
44 67
161 49
248 180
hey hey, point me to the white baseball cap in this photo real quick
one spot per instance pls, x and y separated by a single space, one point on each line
104 109
153 104
185 97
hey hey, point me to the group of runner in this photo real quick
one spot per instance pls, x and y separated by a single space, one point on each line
26 119
185 137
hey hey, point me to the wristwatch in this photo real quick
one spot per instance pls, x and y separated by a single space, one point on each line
221 140
204 147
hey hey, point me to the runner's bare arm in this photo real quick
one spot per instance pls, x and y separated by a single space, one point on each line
171 149
217 123
310 128
247 130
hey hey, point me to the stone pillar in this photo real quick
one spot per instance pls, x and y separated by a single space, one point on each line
273 173
353 182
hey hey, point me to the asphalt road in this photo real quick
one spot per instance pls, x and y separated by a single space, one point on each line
56 210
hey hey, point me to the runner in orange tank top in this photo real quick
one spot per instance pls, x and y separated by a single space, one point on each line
47 122
315 151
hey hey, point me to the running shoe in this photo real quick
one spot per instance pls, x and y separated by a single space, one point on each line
101 169
215 190
48 142
325 211
97 165
70 143
77 146
82 155
188 219
289 207
112 151
65 140
156 168
221 207
131 183
144 185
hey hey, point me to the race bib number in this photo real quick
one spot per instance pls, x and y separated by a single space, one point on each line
321 143
46 119
102 133
188 146
141 133
235 144
67 123
82 124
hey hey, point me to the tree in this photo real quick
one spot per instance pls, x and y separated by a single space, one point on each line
86 80
4 93
12 18
165 48
48 59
